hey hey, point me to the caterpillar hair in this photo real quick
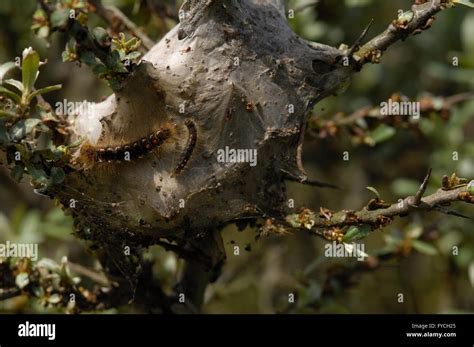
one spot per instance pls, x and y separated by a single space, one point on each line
90 155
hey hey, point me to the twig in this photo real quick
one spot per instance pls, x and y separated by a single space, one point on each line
356 44
117 19
414 22
329 224
428 106
82 35
313 183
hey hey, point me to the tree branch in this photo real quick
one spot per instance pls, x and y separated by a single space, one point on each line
377 214
117 20
416 20
360 122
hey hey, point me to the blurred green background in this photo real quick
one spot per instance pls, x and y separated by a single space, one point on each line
263 274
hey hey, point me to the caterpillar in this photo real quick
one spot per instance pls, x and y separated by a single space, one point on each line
189 147
90 155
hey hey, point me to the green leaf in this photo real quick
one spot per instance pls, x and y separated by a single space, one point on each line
44 91
29 69
100 34
38 176
17 84
57 175
70 51
22 280
424 247
354 233
470 188
14 96
380 134
133 55
88 58
59 18
373 190
100 69
5 68
43 32
23 128
8 114
17 172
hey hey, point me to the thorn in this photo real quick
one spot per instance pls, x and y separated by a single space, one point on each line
421 191
313 183
449 212
294 176
355 47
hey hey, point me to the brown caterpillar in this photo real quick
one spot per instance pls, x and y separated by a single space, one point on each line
90 155
189 147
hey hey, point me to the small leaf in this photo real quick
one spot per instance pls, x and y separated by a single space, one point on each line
99 69
44 91
22 280
70 52
101 36
5 68
88 58
43 32
470 187
133 55
29 69
354 233
23 128
15 97
38 175
424 247
57 175
59 18
17 84
373 190
17 172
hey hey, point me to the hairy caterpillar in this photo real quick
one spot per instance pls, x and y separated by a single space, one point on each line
189 147
90 155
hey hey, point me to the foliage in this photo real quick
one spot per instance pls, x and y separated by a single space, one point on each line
413 255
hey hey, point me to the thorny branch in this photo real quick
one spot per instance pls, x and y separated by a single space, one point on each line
376 214
412 22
